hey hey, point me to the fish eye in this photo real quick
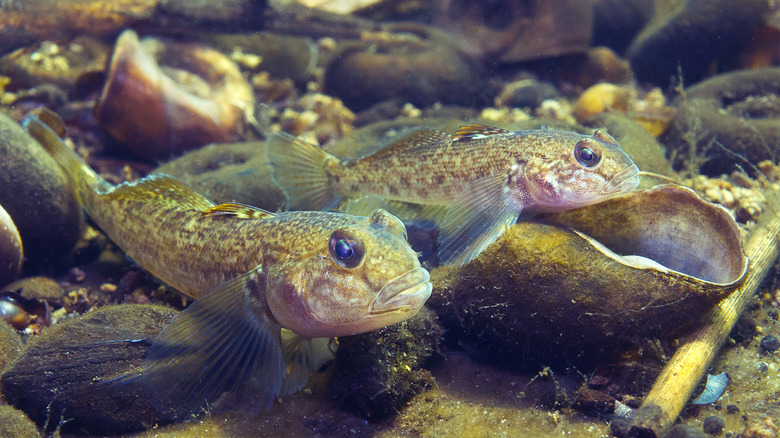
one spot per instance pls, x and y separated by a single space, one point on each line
587 155
345 249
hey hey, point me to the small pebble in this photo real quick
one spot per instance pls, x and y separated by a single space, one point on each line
732 409
763 367
76 274
770 343
713 425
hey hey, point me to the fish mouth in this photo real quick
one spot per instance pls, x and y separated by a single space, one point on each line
625 181
410 289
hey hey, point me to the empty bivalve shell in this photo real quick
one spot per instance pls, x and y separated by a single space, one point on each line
590 282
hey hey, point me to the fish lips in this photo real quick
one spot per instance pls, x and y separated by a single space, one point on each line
410 289
625 181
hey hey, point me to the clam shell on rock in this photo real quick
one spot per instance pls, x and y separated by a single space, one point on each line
162 97
583 285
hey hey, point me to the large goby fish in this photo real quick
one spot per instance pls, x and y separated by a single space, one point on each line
475 181
252 273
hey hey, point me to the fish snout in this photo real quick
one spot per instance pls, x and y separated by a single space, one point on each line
625 181
410 289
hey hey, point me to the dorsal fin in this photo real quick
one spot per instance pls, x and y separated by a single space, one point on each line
242 211
164 189
416 139
475 131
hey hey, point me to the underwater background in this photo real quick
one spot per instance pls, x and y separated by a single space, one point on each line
561 327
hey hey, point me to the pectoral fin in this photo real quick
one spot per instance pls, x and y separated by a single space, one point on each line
221 343
304 356
476 219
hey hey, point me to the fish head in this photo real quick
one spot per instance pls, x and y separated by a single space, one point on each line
359 276
574 170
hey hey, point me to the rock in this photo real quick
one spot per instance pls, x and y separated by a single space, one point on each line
23 23
528 93
37 288
376 372
421 69
236 172
282 56
14 424
727 117
643 148
10 345
692 35
82 361
591 401
508 31
713 425
616 22
10 249
37 194
770 343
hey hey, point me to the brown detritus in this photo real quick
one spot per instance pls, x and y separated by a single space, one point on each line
591 401
375 373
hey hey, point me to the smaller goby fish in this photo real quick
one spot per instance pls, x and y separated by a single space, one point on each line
253 273
478 179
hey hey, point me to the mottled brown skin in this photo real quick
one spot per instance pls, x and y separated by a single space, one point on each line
439 167
163 228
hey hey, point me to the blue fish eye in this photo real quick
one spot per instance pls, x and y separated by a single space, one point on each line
345 250
586 155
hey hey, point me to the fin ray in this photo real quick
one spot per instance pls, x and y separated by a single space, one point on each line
163 189
222 342
476 131
476 218
83 176
299 170
417 139
303 356
238 210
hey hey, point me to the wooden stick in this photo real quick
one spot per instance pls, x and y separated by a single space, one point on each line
690 362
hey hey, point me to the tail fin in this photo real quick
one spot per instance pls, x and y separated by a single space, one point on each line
299 170
82 175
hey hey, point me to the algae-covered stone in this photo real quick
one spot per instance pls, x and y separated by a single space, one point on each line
229 173
690 36
422 68
37 288
10 345
14 424
727 117
37 194
375 373
79 369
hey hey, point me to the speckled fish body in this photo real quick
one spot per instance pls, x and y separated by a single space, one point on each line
254 273
481 176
